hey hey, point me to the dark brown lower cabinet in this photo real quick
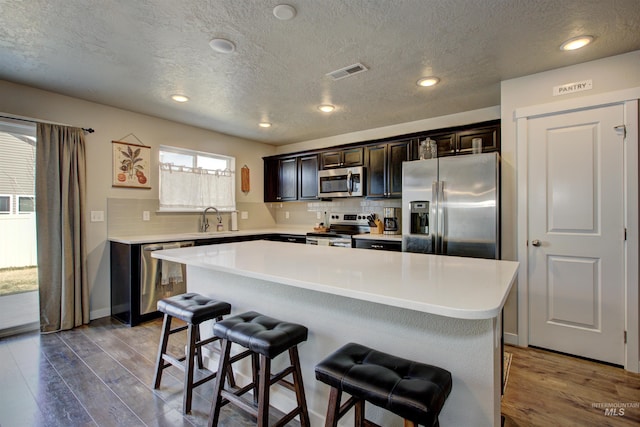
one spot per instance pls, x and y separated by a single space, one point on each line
380 245
126 274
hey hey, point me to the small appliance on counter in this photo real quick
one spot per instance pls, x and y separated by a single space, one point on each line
234 221
391 220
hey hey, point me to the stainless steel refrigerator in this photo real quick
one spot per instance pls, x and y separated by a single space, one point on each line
450 206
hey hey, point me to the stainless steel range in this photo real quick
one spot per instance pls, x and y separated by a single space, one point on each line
341 227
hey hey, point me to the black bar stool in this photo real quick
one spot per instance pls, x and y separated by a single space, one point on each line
193 309
264 338
415 391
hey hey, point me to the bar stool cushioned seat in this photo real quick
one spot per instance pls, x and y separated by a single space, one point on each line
193 309
415 391
261 334
264 338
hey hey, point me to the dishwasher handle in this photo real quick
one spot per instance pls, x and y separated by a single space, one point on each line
153 247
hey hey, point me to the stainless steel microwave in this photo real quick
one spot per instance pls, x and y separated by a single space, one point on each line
341 182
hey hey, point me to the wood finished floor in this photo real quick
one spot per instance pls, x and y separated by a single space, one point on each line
100 375
550 389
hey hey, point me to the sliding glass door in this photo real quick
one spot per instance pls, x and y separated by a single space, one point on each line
19 306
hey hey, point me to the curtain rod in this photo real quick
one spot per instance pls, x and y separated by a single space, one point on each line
88 130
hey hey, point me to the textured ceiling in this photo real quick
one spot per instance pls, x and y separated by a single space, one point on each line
133 54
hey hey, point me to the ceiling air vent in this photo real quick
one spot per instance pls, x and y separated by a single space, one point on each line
347 71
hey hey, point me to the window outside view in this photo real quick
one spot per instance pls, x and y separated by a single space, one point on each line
18 262
193 180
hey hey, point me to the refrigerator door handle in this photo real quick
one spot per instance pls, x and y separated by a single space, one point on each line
441 217
433 218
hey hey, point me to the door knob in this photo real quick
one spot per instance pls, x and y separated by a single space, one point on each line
536 242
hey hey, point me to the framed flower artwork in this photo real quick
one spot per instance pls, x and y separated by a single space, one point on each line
131 164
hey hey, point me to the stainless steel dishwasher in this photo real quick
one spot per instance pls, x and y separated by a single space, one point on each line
159 278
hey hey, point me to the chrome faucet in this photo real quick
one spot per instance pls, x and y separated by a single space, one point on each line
204 222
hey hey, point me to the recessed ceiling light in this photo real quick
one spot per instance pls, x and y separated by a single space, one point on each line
326 108
576 43
284 12
428 81
222 45
264 124
179 98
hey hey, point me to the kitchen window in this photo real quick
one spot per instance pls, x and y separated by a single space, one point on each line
193 180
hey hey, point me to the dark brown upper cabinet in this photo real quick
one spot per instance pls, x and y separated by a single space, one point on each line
488 135
459 141
281 179
384 168
446 143
294 176
342 158
308 177
291 178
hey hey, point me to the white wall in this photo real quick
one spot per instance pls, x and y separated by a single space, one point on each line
113 124
609 74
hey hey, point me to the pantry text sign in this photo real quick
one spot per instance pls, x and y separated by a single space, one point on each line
572 87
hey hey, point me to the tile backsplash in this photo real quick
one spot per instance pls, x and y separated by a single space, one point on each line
125 216
306 213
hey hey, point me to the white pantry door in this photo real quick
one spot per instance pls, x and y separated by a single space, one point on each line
576 233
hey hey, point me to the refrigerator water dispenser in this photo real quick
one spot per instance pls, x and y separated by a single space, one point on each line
419 217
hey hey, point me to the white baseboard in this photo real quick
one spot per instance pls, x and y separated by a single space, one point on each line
97 314
511 339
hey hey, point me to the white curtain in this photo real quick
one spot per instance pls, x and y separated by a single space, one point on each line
191 188
60 227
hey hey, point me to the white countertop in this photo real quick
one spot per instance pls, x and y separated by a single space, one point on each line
465 288
177 237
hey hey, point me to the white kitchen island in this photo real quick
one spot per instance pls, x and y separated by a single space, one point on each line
440 310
